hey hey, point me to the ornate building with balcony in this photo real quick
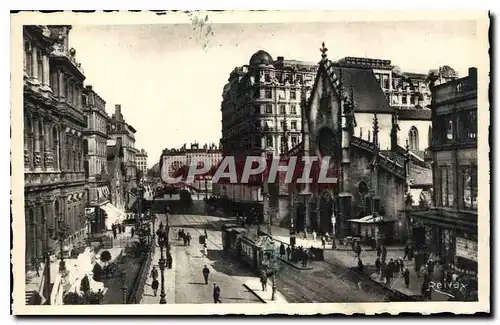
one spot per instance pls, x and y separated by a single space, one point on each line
449 227
119 130
54 123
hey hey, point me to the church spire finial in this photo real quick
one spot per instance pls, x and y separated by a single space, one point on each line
323 51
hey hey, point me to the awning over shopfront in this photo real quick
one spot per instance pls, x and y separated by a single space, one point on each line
114 215
371 219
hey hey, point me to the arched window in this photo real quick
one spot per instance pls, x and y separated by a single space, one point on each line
413 138
364 206
55 148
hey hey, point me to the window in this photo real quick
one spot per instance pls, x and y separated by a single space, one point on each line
294 140
284 144
447 194
299 78
269 93
256 93
256 109
449 129
412 100
385 81
289 77
404 101
29 59
468 125
269 108
279 76
282 109
55 149
293 125
39 61
283 125
413 138
267 77
293 94
269 141
293 109
469 186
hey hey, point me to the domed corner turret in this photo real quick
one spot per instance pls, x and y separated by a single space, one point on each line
397 71
261 57
448 72
433 75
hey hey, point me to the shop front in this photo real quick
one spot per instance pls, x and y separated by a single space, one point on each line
450 235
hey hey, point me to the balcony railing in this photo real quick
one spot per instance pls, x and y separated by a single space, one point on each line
49 177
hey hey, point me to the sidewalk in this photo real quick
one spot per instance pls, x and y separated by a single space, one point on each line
148 295
255 287
344 256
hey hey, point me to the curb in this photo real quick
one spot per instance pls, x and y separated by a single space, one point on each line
254 293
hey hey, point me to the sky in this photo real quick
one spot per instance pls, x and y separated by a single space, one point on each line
169 78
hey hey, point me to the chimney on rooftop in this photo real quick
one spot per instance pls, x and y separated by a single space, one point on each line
473 72
89 87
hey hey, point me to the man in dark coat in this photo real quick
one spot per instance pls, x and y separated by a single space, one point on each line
132 232
263 280
360 265
384 253
406 275
407 252
216 294
377 265
357 250
205 272
154 273
154 286
288 252
282 250
113 228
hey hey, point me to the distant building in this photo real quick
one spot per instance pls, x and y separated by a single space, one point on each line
449 227
119 130
184 157
142 161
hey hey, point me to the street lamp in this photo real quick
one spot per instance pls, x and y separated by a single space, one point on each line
274 267
60 234
162 239
306 194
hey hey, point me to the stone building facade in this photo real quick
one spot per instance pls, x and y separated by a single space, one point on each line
120 131
95 157
449 228
54 123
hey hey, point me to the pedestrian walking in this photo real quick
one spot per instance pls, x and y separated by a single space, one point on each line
205 249
305 233
154 273
357 250
216 294
401 265
282 250
205 272
379 250
36 265
132 232
154 286
407 252
179 234
263 280
188 239
377 265
406 276
314 235
288 252
305 258
113 228
323 242
119 229
360 266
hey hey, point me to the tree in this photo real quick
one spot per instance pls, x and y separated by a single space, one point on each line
105 257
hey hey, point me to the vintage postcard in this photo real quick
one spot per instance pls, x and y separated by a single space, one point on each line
250 162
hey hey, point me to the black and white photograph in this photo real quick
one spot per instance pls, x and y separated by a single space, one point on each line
232 162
